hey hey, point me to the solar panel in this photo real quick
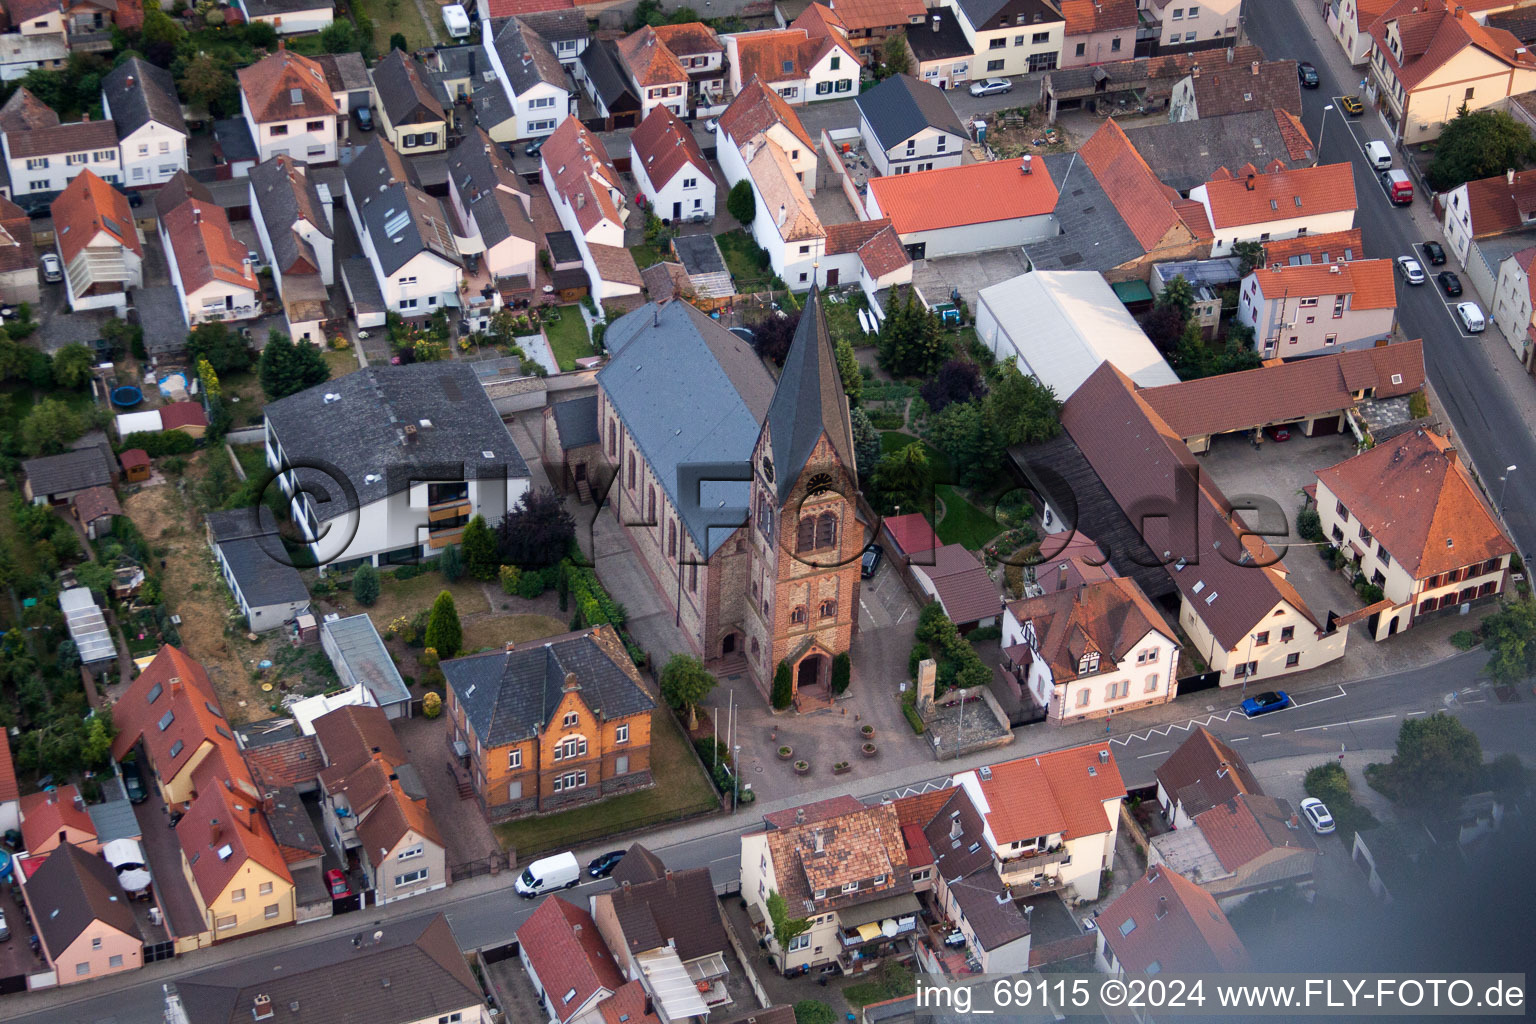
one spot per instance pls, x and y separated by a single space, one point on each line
397 222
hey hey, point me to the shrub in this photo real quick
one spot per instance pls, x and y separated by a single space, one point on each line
365 585
444 633
814 1011
842 672
909 711
985 634
1309 525
1464 640
407 572
593 604
530 585
452 563
431 705
783 686
740 203
511 578
166 442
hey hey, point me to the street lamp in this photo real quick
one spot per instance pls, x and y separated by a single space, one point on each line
1322 130
1503 483
1248 665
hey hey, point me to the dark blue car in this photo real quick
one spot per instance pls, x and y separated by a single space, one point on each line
603 866
1264 703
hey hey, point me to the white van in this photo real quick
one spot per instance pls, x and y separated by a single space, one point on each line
457 20
558 872
1379 155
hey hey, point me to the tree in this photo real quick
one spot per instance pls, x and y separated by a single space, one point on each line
160 31
96 744
848 369
397 40
1178 295
1250 256
785 927
1479 144
50 427
73 366
224 349
912 342
740 203
480 556
207 81
444 633
365 585
538 531
95 577
684 683
904 479
842 672
1164 326
1023 410
431 704
970 441
958 380
339 37
451 563
774 334
894 58
783 687
288 367
814 1011
866 443
1438 760
1510 638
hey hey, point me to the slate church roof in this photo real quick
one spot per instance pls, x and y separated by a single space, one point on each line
808 402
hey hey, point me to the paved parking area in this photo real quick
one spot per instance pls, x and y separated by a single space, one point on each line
937 278
464 828
514 990
16 956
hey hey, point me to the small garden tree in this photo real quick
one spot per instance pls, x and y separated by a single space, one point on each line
685 682
842 672
431 704
783 686
73 366
1437 761
444 633
958 380
288 367
740 203
1510 636
814 1011
538 531
365 585
451 563
785 927
894 59
480 556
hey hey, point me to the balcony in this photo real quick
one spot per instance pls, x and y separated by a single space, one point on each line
90 40
1025 870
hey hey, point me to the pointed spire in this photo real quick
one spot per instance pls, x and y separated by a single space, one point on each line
808 401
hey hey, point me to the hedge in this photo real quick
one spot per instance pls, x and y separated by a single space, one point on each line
160 443
593 603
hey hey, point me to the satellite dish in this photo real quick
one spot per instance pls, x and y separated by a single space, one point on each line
888 928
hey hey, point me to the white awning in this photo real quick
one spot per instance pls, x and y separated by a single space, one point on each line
677 993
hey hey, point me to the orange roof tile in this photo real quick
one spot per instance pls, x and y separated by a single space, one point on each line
692 38
45 815
756 109
1281 195
648 60
561 942
946 197
766 55
1431 38
1328 247
579 165
1501 203
664 146
1109 618
784 196
821 810
1167 920
1373 283
9 790
880 14
204 246
1085 17
1415 496
884 253
1061 792
1249 826
509 8
172 706
87 207
222 831
290 763
1526 259
1297 142
1143 202
285 86
849 237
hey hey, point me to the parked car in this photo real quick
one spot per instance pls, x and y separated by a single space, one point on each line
336 881
1279 432
1352 105
53 270
548 874
1317 815
1471 316
711 125
1264 703
5 931
133 782
1409 267
1307 74
533 148
1398 186
1449 282
870 563
1435 252
364 118
602 867
991 87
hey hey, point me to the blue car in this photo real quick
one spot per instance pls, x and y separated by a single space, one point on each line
1264 703
603 866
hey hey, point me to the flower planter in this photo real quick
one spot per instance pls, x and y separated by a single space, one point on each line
868 732
785 753
868 750
842 768
802 767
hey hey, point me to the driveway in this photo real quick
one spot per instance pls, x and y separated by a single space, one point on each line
465 832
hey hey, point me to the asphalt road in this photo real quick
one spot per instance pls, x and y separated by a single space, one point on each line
1490 426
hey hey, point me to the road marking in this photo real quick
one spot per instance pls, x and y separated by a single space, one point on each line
1269 734
1239 739
1479 700
1412 713
1331 696
1155 753
1354 721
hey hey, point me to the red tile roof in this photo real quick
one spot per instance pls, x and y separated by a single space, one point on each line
1281 195
96 503
9 790
1085 17
175 415
765 54
205 247
884 253
1501 203
562 944
579 166
1414 494
1372 283
1431 38
88 207
845 238
648 60
821 810
1165 919
1237 88
919 808
1328 247
508 8
664 146
693 38
222 819
45 815
1526 260
1249 826
946 197
180 689
628 1005
269 86
1143 202
1109 618
293 762
919 852
17 250
1061 792
134 457
882 14
1298 144
912 533
756 109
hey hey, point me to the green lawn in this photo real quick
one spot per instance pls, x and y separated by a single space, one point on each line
843 323
740 254
963 523
681 790
391 16
341 361
895 441
648 254
568 337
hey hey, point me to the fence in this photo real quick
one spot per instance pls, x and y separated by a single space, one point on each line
492 865
566 840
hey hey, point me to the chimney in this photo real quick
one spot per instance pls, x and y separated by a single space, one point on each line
1162 907
1061 576
1194 72
1461 12
511 645
1254 67
410 433
624 885
799 815
1509 176
261 1007
935 22
1231 55
1250 182
1295 820
571 683
85 116
281 45
129 80
215 830
1028 164
581 200
783 214
197 215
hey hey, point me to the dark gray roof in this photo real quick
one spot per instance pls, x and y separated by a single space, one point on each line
383 187
555 26
400 82
273 8
290 823
1093 234
988 908
711 414
576 421
363 432
562 247
491 103
957 836
947 43
344 72
360 649
808 402
161 316
138 92
71 471
639 865
262 568
527 57
361 285
901 106
699 254
981 12
490 190
509 696
233 137
72 889
1184 154
1519 23
286 194
600 61
413 971
114 820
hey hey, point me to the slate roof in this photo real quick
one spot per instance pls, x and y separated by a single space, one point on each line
364 432
1234 88
361 284
296 835
70 891
1184 154
527 57
138 92
286 194
413 971
1204 772
576 422
1414 494
981 13
274 8
344 72
400 82
1093 234
509 696
70 471
600 62
256 557
360 649
1167 920
271 83
679 909
114 820
901 106
945 196
699 255
987 906
808 402
1063 791
87 207
712 414
558 25
491 191
232 137
383 185
663 145
1108 617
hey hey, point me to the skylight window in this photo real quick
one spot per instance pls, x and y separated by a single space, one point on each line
397 222
166 720
1127 926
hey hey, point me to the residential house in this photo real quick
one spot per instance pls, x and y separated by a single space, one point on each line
533 78
58 479
1089 651
1191 25
1164 923
562 722
941 53
83 921
1245 845
1216 89
290 17
402 423
375 803
588 196
43 154
351 86
35 38
566 31
702 56
289 106
141 100
18 255
210 271
1059 325
491 201
1201 773
410 115
1305 250
670 168
1429 60
1256 206
1304 310
844 875
360 659
665 930
257 568
1514 303
405 233
1231 606
869 251
952 576
967 886
606 85
1487 208
55 818
1351 25
1012 37
1098 31
658 77
1184 154
10 792
908 126
934 213
1410 514
401 972
99 244
173 710
572 971
810 60
869 23
293 222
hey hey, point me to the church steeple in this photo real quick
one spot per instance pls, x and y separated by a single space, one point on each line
808 402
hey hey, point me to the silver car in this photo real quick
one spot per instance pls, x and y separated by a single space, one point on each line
991 86
1412 272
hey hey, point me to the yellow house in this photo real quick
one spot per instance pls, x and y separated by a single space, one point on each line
1011 37
1428 64
410 115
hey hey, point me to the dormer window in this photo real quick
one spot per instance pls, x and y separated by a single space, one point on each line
821 894
570 720
879 880
1088 663
850 887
